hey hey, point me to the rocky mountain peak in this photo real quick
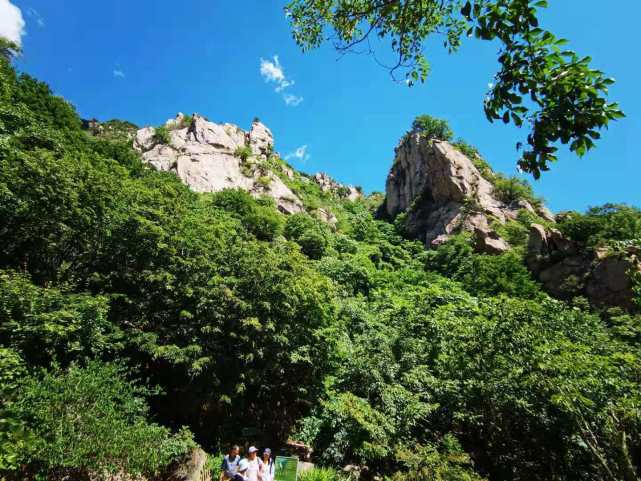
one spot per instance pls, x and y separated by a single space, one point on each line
442 192
210 157
261 139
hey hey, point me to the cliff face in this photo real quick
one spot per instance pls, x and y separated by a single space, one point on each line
443 192
567 268
210 157
207 157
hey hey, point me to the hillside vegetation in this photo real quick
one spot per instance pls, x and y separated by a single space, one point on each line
138 318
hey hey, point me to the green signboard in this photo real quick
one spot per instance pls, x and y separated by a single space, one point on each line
286 468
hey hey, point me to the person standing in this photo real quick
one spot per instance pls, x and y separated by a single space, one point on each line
255 465
268 465
229 466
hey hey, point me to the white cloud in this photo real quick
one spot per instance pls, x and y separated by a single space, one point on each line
283 85
299 154
119 73
11 22
33 13
272 71
291 99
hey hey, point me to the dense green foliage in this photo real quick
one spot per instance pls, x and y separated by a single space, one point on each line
539 84
513 189
603 225
131 306
89 421
432 128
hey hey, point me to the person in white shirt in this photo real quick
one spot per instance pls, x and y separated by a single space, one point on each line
255 465
268 465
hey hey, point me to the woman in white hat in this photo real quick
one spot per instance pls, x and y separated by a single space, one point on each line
255 465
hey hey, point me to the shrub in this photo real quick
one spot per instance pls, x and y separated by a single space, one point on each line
260 218
353 273
452 257
432 128
264 181
243 153
513 189
161 135
309 233
213 465
187 121
343 192
445 461
247 169
319 474
482 275
266 223
493 275
610 222
91 421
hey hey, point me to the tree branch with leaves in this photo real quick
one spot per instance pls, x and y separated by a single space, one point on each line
540 84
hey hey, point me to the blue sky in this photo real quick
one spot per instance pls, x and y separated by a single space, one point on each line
144 61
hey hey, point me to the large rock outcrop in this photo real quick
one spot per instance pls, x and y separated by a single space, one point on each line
568 269
443 192
205 156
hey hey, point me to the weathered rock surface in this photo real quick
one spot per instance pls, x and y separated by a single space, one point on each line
203 156
328 184
326 216
567 269
191 468
261 139
443 192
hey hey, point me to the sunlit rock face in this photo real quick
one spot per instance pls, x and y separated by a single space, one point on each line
443 192
207 157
